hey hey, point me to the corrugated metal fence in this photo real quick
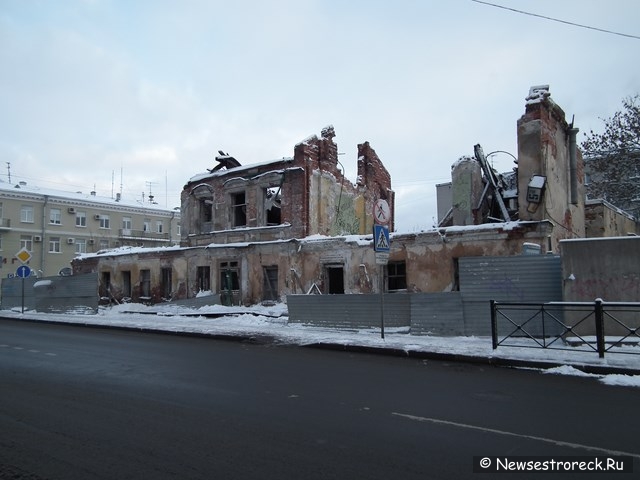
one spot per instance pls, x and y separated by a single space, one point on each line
526 278
72 294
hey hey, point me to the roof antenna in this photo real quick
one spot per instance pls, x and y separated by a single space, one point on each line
9 171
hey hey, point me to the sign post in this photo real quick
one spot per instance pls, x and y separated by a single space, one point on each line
23 272
381 246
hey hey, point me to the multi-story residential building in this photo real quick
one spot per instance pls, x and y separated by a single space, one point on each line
56 226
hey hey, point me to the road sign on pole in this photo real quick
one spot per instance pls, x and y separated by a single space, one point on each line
381 212
23 271
381 242
23 255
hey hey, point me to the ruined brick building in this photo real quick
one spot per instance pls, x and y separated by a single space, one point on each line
295 197
260 232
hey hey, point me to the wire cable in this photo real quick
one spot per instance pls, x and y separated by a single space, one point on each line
557 20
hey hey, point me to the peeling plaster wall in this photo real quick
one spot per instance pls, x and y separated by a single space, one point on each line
315 196
604 220
302 264
543 149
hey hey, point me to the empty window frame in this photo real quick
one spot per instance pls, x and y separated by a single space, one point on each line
126 284
165 282
229 282
396 276
270 283
334 279
272 205
238 209
203 278
145 283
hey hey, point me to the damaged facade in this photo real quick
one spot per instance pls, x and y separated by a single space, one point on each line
261 232
295 197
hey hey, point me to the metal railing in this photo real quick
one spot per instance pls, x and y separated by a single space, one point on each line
597 326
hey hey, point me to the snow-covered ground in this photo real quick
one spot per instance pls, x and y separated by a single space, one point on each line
272 322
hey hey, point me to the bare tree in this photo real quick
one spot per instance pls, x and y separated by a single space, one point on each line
621 133
612 158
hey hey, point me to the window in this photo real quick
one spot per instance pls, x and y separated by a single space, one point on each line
396 276
26 242
54 244
238 210
165 282
105 285
229 282
147 225
203 279
26 214
81 246
159 226
104 221
104 244
178 231
270 283
1 213
272 206
81 219
126 284
55 216
145 283
334 276
126 223
0 241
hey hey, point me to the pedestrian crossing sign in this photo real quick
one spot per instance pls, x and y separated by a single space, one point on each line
381 242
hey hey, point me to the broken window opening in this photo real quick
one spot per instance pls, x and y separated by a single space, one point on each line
396 276
273 206
238 209
126 284
165 285
145 284
334 275
270 283
229 283
203 279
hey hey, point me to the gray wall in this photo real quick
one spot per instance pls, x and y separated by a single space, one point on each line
73 294
522 278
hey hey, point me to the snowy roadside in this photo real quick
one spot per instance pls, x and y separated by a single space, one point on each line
272 322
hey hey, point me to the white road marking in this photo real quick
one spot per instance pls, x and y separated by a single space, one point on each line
512 434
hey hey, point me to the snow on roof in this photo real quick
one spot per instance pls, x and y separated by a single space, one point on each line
27 189
221 172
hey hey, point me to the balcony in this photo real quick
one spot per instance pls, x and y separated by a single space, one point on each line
5 223
128 234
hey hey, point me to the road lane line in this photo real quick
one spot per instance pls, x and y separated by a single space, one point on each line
512 434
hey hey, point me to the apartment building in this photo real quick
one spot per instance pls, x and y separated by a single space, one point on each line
56 226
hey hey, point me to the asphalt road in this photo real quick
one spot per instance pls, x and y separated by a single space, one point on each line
84 403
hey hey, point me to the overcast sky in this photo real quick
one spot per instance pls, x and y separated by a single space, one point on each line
95 93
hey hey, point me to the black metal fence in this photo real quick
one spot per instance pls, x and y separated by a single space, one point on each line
597 326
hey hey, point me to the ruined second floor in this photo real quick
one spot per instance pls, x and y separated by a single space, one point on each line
292 197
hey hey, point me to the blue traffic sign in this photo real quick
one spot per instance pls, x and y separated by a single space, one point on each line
23 271
381 241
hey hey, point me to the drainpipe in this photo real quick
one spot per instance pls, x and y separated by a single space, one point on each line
42 234
573 165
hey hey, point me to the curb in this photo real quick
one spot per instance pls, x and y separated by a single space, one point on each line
264 339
